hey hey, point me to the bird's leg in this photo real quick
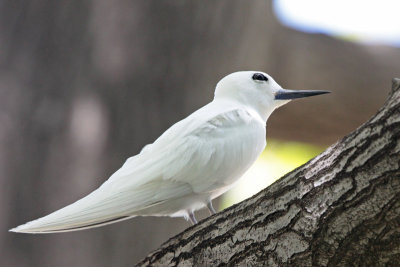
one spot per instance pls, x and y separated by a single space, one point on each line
192 218
210 207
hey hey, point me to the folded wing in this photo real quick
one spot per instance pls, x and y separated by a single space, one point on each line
188 158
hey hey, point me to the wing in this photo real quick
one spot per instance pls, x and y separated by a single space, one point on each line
196 155
204 157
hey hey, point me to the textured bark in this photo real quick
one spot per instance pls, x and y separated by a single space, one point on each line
342 208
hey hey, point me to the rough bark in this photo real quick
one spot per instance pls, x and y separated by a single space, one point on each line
86 84
342 208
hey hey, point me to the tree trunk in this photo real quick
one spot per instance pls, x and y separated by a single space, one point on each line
340 209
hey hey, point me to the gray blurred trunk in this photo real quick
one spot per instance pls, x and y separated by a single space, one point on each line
85 84
340 209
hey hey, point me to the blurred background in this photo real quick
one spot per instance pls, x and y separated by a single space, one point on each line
86 84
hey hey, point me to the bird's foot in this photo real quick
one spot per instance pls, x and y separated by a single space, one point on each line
192 218
210 207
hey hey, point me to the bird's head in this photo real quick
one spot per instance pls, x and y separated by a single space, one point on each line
258 90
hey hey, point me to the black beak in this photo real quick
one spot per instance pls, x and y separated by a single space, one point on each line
285 94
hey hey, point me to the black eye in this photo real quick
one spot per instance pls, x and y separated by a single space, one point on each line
259 77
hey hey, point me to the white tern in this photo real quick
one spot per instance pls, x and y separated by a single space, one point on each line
194 161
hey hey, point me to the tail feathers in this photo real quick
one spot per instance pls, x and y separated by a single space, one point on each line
89 212
31 228
107 205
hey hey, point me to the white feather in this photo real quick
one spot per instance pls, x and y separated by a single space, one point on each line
194 161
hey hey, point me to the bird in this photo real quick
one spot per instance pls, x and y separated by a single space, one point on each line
193 162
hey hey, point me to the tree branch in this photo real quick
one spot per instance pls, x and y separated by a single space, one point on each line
340 208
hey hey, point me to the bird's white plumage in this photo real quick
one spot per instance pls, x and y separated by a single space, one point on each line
194 161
